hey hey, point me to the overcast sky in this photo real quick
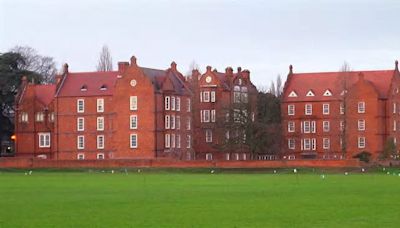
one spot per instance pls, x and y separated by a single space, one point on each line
262 36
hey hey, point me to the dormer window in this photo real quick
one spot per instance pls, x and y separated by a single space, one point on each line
84 88
292 94
327 93
310 94
103 87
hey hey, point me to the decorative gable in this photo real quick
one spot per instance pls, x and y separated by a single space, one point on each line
327 93
292 94
310 94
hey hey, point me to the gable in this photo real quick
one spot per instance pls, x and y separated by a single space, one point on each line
327 93
292 94
310 93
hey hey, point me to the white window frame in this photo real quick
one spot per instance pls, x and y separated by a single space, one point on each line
80 124
166 103
306 126
212 96
172 103
361 142
178 141
173 138
291 126
213 115
188 105
394 125
39 117
44 140
326 126
24 117
325 109
361 125
188 141
361 107
100 123
167 122
341 108
209 157
326 143
394 107
80 156
167 142
100 141
80 106
291 110
178 122
172 121
133 103
307 144
100 104
291 144
178 104
206 96
100 156
308 109
341 125
188 123
133 122
80 142
313 126
206 116
313 144
133 141
209 135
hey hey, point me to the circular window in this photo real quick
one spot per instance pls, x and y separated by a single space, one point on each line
208 79
133 82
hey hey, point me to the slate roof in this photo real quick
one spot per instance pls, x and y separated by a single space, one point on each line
335 82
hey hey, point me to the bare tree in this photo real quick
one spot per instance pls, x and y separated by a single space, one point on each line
105 60
278 85
272 89
42 65
343 106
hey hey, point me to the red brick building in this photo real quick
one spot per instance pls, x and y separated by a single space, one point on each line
133 113
34 120
218 98
335 115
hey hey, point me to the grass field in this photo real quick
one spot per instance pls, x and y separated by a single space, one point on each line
199 199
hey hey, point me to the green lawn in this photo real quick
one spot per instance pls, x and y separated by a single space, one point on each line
199 199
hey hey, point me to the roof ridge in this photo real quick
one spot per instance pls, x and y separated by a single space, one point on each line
339 72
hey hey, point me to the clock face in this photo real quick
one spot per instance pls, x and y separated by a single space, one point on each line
208 79
133 82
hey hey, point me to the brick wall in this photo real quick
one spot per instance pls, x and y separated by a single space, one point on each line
25 163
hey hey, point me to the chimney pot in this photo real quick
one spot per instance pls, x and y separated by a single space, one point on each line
65 68
239 69
173 65
133 61
208 68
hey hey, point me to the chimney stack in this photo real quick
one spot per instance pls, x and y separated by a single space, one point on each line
208 68
65 68
239 69
122 66
133 61
173 66
229 71
246 74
